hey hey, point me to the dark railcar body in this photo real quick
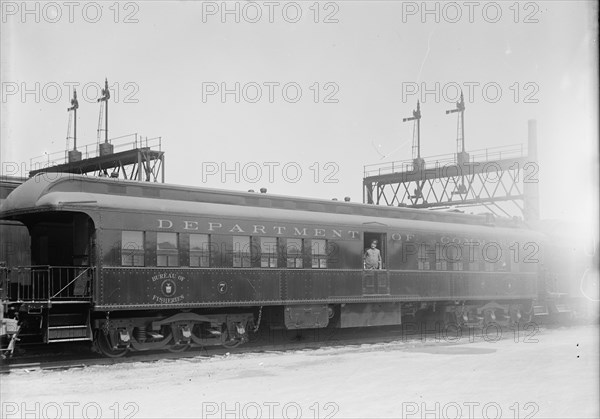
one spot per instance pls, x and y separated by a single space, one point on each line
14 243
14 246
134 250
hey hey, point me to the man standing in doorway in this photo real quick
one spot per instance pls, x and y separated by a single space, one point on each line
372 257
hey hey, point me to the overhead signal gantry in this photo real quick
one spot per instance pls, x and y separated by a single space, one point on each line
501 180
139 159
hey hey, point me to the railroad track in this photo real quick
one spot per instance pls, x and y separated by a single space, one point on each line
268 341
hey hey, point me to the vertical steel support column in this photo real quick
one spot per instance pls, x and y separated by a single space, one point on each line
531 189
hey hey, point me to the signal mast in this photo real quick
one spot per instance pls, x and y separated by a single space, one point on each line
418 162
462 156
105 147
74 155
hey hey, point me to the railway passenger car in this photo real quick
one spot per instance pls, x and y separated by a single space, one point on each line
14 251
139 266
14 246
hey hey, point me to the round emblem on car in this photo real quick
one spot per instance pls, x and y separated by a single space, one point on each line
168 288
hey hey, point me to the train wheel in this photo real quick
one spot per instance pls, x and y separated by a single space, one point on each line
105 347
233 343
234 340
181 347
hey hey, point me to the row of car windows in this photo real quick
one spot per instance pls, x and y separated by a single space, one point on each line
168 246
293 255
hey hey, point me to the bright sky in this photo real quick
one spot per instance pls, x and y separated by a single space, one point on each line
357 65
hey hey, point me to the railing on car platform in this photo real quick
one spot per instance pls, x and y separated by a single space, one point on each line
54 283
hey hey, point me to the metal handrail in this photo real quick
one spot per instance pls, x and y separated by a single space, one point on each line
41 282
66 286
481 155
91 150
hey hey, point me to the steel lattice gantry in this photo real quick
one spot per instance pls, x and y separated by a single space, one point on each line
504 181
137 162
143 164
486 184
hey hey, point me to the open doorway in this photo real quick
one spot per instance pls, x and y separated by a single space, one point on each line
380 245
375 277
62 256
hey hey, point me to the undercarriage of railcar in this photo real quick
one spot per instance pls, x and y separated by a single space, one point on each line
115 333
119 332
